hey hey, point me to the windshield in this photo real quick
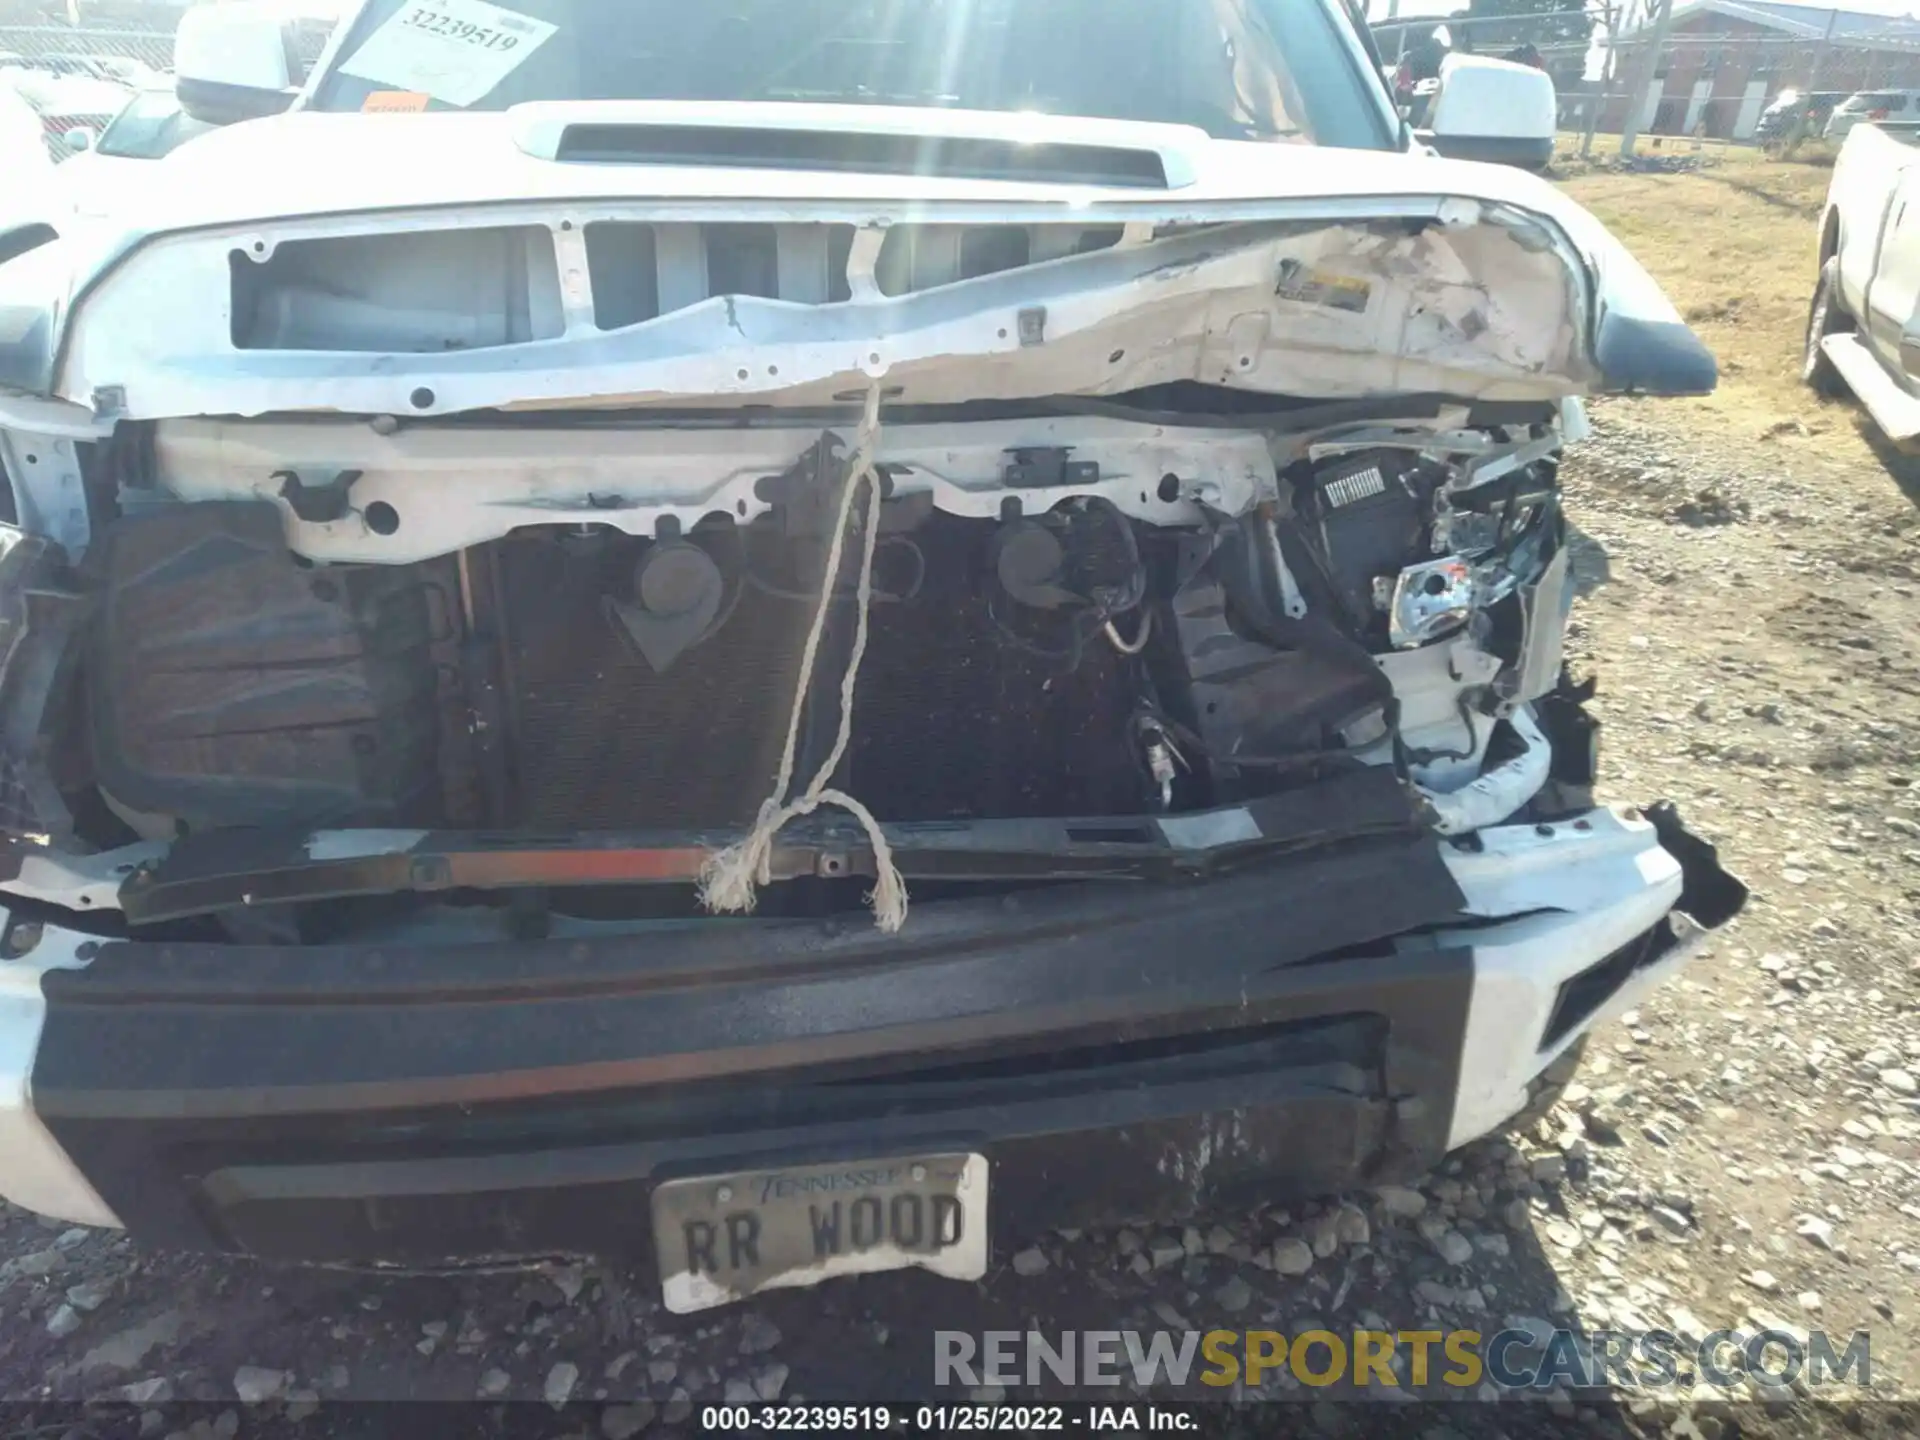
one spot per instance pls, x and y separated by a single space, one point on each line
1238 69
151 126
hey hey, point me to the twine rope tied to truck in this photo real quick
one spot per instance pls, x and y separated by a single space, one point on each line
730 878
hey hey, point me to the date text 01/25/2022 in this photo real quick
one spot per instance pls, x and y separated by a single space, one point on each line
719 1238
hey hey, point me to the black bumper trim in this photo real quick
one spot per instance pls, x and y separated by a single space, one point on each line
165 1031
428 1103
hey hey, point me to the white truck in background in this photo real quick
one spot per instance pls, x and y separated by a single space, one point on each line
1863 328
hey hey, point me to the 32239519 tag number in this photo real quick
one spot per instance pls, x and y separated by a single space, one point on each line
484 36
798 1417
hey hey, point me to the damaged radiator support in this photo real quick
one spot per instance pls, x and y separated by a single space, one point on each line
229 869
604 741
1102 642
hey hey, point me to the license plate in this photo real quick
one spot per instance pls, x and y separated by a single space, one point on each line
720 1238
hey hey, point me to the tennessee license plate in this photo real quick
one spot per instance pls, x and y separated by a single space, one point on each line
721 1238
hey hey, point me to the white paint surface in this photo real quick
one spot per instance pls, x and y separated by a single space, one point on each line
35 1173
1472 311
455 488
81 882
1483 97
1605 899
1517 870
1500 791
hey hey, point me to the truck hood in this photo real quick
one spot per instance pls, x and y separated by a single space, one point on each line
1277 267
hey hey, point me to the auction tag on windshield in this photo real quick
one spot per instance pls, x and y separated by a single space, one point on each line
457 51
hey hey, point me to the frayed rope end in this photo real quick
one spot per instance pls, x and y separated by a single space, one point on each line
730 879
888 898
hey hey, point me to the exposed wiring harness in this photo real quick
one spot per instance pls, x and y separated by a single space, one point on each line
887 544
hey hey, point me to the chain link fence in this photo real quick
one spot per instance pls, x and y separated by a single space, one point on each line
78 76
152 49
1699 92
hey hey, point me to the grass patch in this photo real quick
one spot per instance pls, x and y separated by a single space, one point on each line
1734 244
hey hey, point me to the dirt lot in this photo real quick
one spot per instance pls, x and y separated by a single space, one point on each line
1745 1150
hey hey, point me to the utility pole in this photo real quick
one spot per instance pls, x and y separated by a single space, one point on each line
1644 75
1799 132
1820 55
1609 70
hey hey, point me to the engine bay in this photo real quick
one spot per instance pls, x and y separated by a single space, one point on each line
1161 621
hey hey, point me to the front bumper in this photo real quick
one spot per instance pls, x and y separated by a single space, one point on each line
1341 1018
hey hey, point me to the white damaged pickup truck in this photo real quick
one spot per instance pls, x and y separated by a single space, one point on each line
1863 327
803 638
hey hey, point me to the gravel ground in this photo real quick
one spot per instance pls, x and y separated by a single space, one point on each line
1740 1152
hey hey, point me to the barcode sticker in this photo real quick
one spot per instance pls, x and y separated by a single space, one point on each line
457 51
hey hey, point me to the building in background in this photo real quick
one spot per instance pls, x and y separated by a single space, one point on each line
1726 60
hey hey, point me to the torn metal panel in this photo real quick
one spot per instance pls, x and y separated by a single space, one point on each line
49 496
77 882
1545 605
341 315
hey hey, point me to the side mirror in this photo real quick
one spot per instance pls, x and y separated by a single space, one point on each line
230 63
1420 104
77 139
1493 110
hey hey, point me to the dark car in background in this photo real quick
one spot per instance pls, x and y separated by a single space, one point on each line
1795 116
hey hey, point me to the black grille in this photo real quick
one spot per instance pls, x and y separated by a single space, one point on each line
950 721
605 743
